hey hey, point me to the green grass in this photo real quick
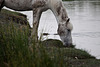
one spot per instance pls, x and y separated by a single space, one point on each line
8 16
55 43
16 52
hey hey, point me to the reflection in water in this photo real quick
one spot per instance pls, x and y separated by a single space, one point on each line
85 17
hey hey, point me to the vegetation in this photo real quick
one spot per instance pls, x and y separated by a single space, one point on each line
16 52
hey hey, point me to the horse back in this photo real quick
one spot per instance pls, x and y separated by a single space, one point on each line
19 5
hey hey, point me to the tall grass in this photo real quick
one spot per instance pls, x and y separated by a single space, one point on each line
15 51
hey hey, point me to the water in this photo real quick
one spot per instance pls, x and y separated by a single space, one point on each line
85 17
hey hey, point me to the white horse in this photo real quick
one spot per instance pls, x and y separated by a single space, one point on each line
38 6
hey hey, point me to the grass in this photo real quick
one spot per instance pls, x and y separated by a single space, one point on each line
55 43
6 15
16 52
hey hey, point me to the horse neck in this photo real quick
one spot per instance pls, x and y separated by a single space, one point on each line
60 13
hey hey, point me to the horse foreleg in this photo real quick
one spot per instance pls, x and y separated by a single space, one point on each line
34 31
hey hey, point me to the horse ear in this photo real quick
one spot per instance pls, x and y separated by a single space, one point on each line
68 19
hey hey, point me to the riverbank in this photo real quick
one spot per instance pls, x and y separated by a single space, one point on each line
15 51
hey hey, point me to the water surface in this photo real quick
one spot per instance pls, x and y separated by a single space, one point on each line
85 17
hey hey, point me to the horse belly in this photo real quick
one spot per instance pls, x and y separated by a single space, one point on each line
19 5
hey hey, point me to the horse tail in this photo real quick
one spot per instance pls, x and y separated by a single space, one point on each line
1 4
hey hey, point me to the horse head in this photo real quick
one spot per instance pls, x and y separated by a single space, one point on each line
64 31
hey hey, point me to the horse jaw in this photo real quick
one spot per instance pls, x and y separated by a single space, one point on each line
67 40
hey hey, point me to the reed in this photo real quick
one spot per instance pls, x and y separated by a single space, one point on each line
15 51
